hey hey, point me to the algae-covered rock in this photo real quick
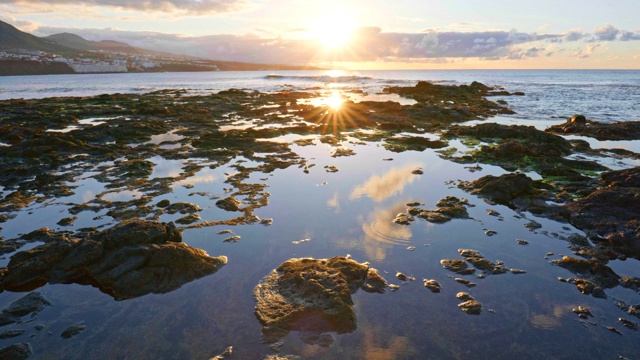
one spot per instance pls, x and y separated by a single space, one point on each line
132 259
313 296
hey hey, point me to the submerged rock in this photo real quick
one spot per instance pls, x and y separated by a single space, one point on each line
132 259
16 352
312 295
30 304
73 330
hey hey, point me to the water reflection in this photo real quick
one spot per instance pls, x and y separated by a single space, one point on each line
380 232
380 188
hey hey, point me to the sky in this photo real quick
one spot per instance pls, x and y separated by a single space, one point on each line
359 34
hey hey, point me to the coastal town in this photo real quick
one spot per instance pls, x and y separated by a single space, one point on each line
106 62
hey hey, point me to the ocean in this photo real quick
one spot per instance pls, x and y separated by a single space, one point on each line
321 214
602 95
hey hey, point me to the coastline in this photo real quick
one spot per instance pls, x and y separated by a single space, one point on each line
228 144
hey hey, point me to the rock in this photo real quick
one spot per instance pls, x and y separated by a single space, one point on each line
614 330
403 219
74 330
132 259
464 296
612 212
579 125
465 282
629 324
312 295
517 271
229 204
471 307
16 352
577 119
503 189
432 285
582 312
225 354
522 242
11 333
30 304
457 266
600 274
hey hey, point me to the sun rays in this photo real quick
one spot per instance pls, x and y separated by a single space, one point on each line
335 113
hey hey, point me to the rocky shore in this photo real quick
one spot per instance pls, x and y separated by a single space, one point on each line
49 146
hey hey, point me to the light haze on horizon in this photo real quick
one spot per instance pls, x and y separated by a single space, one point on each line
410 34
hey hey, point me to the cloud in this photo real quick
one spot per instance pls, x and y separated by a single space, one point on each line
585 53
574 35
170 6
24 25
629 36
606 33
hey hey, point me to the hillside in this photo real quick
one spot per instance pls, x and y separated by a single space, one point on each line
12 38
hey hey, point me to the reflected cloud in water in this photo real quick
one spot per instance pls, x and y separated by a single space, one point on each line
380 233
380 188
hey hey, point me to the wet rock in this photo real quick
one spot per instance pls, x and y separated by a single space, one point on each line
403 219
131 259
471 307
600 274
266 221
532 225
229 204
588 287
393 287
614 330
331 169
517 271
232 239
629 324
464 296
447 209
73 330
189 219
30 304
414 143
19 351
67 221
183 208
612 212
11 333
632 283
313 296
465 282
582 312
522 242
503 189
432 285
457 266
225 354
580 125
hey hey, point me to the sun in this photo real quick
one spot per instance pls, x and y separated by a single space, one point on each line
333 31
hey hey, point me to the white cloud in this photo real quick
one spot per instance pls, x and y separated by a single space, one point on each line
586 52
171 6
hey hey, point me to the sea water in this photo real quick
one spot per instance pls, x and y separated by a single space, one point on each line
525 316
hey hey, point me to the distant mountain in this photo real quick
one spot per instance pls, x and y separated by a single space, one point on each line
77 42
12 38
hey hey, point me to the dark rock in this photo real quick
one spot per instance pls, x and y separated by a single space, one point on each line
601 274
612 212
579 125
74 330
629 324
16 352
30 304
502 190
577 119
131 259
11 333
312 295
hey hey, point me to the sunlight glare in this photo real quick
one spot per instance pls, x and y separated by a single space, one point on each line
333 31
334 101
